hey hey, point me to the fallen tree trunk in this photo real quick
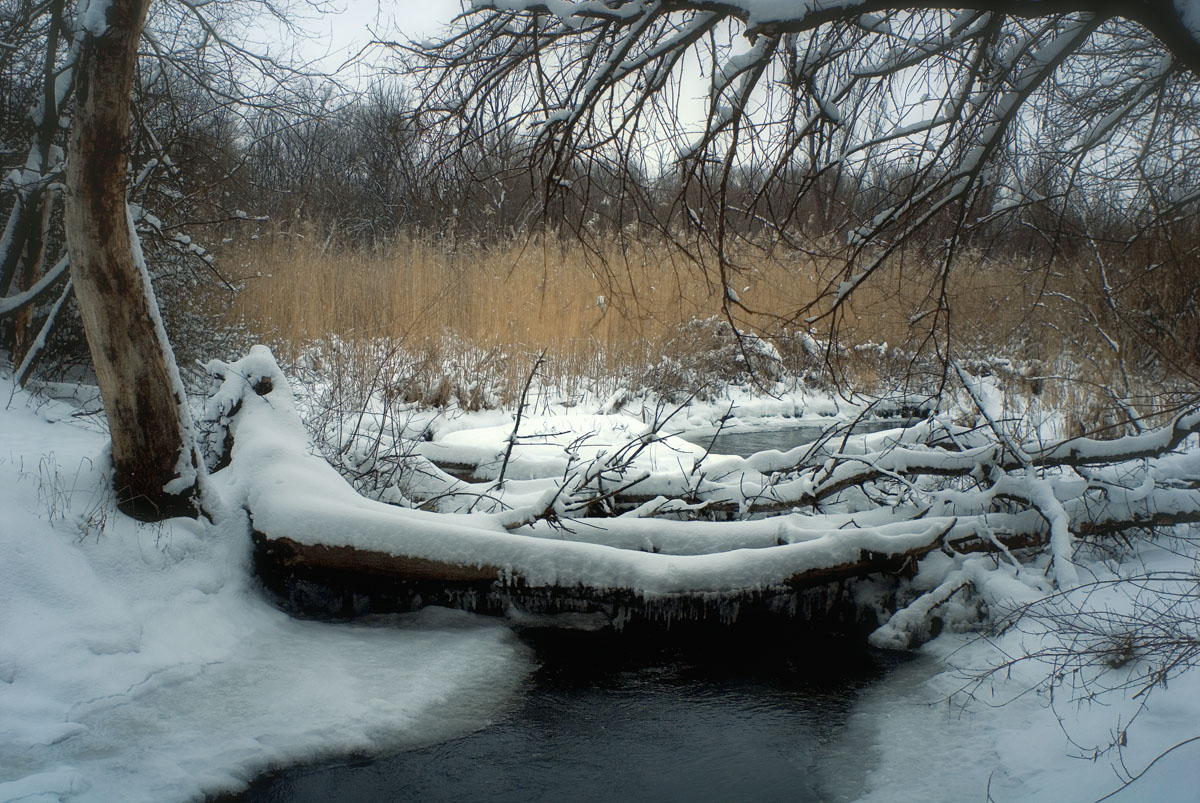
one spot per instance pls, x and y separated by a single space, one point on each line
313 579
316 578
322 548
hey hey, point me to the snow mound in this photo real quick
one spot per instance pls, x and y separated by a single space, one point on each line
142 663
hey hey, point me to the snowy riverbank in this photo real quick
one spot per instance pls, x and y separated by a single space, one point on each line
142 662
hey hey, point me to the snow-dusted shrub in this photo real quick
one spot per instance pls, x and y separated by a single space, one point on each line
707 355
365 402
1110 644
192 300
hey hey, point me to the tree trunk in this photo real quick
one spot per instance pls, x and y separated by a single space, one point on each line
155 469
33 267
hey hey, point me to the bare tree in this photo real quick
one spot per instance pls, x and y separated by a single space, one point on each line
34 42
883 123
136 81
155 463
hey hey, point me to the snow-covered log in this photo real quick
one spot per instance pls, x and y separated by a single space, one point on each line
315 536
320 545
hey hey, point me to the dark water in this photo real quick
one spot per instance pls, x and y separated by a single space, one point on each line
725 719
747 443
710 717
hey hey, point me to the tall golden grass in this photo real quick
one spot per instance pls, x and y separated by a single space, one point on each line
542 292
530 293
600 310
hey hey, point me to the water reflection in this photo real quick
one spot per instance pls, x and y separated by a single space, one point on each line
718 719
714 716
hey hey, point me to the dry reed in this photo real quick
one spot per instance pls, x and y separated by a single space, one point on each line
602 311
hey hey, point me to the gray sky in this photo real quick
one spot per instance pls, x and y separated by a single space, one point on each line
340 33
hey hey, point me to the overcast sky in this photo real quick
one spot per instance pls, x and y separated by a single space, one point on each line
348 24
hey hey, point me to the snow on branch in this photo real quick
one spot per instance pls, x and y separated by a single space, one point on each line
795 97
294 496
669 547
20 300
1175 22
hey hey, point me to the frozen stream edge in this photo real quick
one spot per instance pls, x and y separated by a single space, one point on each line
142 663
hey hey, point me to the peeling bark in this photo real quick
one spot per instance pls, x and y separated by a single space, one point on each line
136 375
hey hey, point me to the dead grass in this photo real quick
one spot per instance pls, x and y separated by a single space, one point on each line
531 293
619 309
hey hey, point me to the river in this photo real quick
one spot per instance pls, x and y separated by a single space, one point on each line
747 442
716 720
716 715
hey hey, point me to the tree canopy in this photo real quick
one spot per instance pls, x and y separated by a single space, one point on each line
875 122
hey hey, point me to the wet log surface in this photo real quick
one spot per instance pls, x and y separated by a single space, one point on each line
344 582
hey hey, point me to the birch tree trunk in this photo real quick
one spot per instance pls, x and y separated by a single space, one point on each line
155 468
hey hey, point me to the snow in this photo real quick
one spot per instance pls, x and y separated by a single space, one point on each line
17 300
94 17
1014 739
142 663
39 342
188 467
296 495
544 443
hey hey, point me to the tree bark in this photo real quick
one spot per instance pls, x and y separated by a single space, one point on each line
136 372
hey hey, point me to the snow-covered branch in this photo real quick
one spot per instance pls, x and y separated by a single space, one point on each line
556 533
933 118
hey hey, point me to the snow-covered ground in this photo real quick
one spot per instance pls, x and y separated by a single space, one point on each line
142 662
937 735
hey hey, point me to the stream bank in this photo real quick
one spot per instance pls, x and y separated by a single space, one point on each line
607 717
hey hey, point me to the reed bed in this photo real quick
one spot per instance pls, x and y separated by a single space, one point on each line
618 308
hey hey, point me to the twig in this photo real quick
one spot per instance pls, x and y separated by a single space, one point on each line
1134 778
512 439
